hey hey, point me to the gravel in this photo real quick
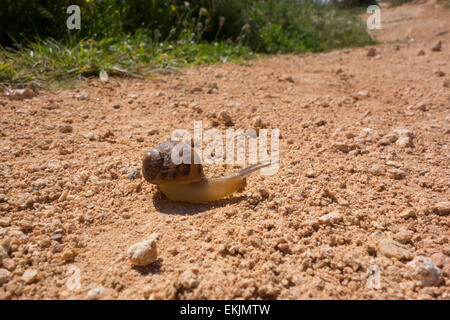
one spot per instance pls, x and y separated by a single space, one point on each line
291 240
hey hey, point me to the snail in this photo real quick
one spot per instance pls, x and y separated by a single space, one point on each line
186 182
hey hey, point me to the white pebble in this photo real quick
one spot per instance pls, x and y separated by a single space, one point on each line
29 276
425 271
4 276
332 217
404 142
143 253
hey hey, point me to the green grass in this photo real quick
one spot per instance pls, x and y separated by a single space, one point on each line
394 3
45 62
445 3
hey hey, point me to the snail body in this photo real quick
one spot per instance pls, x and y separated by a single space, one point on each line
186 182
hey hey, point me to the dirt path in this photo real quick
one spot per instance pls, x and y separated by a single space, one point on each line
353 207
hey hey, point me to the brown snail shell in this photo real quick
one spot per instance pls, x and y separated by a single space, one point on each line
158 167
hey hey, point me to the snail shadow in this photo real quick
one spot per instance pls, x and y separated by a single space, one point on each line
153 268
164 205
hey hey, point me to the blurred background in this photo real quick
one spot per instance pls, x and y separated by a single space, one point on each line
124 36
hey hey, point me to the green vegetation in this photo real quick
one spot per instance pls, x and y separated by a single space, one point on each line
45 61
445 3
394 3
135 38
362 4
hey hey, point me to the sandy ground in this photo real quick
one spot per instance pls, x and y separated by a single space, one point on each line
358 209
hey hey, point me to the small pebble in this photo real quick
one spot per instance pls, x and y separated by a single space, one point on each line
288 78
26 226
264 194
259 122
344 147
134 174
196 89
440 259
57 237
437 46
197 109
63 196
4 276
65 129
3 255
5 244
143 253
9 264
425 271
394 164
393 249
69 254
30 276
234 105
442 208
407 213
226 118
96 293
372 52
310 173
212 85
404 236
387 139
404 142
363 94
376 170
5 222
320 123
420 106
307 124
401 132
332 217
396 173
82 96
90 136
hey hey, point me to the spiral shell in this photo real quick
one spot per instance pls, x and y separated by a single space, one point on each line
158 167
